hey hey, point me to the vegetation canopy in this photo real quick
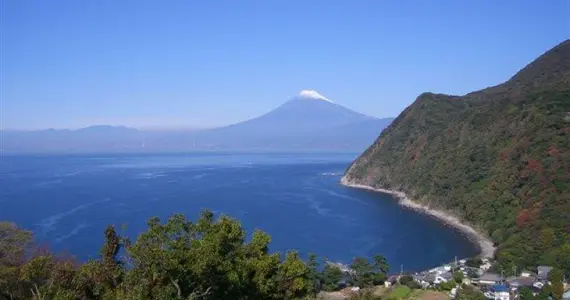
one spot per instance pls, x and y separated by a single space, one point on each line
498 158
207 259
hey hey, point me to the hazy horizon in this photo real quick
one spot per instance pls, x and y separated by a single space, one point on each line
171 128
195 65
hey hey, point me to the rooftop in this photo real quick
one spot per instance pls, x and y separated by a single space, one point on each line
500 288
491 277
521 281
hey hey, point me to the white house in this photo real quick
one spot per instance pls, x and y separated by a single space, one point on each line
485 266
538 285
440 270
526 273
444 277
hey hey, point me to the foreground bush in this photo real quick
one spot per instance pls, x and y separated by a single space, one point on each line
179 259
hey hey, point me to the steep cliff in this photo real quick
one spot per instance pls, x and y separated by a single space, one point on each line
498 158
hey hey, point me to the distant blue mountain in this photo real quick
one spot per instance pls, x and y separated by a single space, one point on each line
308 121
102 138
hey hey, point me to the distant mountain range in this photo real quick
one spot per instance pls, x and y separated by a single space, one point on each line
308 121
498 158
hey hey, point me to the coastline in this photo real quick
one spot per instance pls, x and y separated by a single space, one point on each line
486 248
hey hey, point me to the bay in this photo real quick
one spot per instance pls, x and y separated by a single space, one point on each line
68 200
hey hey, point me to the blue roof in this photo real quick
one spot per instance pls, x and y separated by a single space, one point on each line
500 288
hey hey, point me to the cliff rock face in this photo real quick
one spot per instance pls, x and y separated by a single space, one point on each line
499 158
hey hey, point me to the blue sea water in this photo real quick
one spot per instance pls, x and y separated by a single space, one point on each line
68 201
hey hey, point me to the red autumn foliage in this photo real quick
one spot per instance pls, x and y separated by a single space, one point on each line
553 151
505 154
532 167
523 217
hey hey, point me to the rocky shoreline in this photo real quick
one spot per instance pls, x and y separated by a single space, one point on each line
487 250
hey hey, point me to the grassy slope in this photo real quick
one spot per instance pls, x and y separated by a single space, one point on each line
499 158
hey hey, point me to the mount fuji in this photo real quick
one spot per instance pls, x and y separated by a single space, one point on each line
308 121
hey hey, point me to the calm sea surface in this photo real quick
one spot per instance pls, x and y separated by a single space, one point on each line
68 200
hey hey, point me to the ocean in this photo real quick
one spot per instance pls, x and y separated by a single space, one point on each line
68 200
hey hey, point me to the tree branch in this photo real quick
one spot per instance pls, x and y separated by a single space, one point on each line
179 291
195 295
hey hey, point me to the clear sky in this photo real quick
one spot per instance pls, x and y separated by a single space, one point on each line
172 64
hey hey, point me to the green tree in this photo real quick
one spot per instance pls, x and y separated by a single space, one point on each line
37 272
314 274
447 286
557 287
525 293
381 264
380 269
545 293
14 244
331 277
363 272
546 239
176 260
409 281
474 262
469 293
458 276
293 277
113 272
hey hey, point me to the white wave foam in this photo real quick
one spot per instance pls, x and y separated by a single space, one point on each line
150 175
331 174
49 223
70 234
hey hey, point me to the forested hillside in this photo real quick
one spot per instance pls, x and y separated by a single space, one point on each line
499 158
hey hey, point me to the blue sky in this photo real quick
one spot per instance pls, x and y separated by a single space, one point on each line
173 64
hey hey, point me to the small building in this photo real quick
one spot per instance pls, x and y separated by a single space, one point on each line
489 279
485 266
527 273
425 280
543 272
420 279
500 292
444 277
441 269
391 280
518 282
539 285
473 272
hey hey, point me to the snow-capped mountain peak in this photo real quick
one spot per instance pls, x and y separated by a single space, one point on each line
311 94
